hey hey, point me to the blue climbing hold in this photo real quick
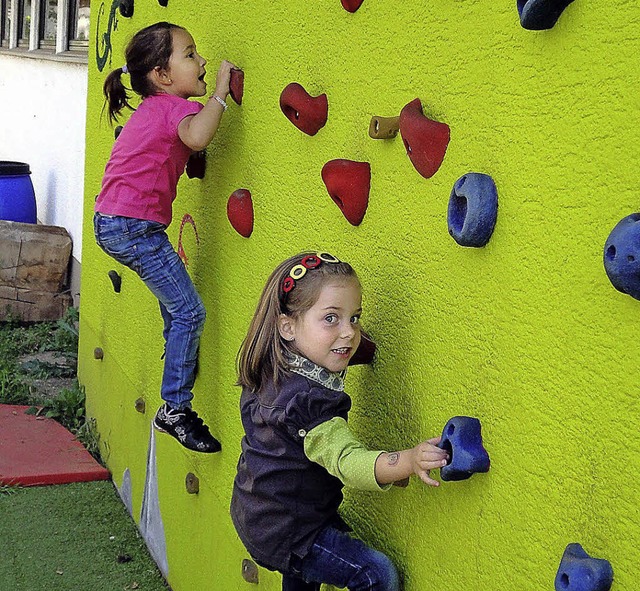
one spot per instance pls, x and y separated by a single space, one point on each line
462 438
579 572
622 256
473 209
537 15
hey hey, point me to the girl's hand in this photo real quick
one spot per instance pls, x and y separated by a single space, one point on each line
396 467
222 79
426 457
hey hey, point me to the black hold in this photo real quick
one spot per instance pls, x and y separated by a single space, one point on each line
126 8
117 131
116 280
163 2
197 165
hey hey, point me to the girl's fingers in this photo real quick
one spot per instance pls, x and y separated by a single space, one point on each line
426 478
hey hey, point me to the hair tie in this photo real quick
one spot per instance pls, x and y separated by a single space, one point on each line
309 262
124 69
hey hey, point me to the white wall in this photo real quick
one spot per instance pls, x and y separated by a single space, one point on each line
42 122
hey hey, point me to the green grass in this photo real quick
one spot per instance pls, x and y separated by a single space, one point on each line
71 537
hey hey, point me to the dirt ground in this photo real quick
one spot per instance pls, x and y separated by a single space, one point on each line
61 370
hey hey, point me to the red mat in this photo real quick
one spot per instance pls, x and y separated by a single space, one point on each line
36 450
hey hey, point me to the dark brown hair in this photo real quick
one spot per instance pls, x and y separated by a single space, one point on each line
262 353
149 48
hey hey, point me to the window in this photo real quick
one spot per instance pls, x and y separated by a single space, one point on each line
49 26
48 23
5 22
24 23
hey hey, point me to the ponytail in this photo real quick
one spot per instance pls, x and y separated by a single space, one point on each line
116 95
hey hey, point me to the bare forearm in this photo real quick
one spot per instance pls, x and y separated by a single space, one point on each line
420 460
198 131
394 466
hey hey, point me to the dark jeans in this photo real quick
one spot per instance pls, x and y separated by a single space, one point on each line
144 247
342 561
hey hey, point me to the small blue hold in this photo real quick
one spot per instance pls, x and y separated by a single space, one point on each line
462 438
622 256
579 572
473 209
537 15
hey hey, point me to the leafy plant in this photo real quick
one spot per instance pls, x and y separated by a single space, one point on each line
67 408
13 390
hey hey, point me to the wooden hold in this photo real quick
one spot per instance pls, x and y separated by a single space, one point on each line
192 483
384 128
98 353
250 571
140 405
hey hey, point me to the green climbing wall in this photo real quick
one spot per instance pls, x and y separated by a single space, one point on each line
527 333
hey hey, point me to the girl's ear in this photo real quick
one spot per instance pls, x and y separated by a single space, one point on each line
286 327
160 77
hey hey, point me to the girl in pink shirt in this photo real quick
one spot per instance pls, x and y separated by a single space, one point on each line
134 206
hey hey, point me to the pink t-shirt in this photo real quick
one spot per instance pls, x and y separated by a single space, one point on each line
147 160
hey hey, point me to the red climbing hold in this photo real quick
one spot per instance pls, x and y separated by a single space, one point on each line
351 5
425 140
240 212
236 85
307 113
348 183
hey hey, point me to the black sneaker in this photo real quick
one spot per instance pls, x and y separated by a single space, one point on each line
187 427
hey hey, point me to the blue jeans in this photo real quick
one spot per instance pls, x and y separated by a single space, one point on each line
144 247
342 561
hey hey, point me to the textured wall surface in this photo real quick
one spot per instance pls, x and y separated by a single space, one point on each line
527 333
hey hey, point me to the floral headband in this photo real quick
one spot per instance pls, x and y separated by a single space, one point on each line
311 261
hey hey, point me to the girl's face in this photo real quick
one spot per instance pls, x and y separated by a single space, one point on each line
186 67
329 332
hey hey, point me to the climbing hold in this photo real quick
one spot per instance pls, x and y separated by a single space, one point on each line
622 256
348 183
192 483
140 405
126 8
579 572
250 571
425 140
473 209
351 5
537 15
197 165
116 280
117 131
98 353
163 2
462 438
307 113
382 128
240 212
236 85
365 352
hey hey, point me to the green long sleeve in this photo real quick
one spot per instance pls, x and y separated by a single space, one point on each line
332 445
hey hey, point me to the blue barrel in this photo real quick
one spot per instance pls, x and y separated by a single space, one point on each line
17 199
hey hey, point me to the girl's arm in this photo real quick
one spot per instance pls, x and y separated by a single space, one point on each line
197 131
399 465
332 445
